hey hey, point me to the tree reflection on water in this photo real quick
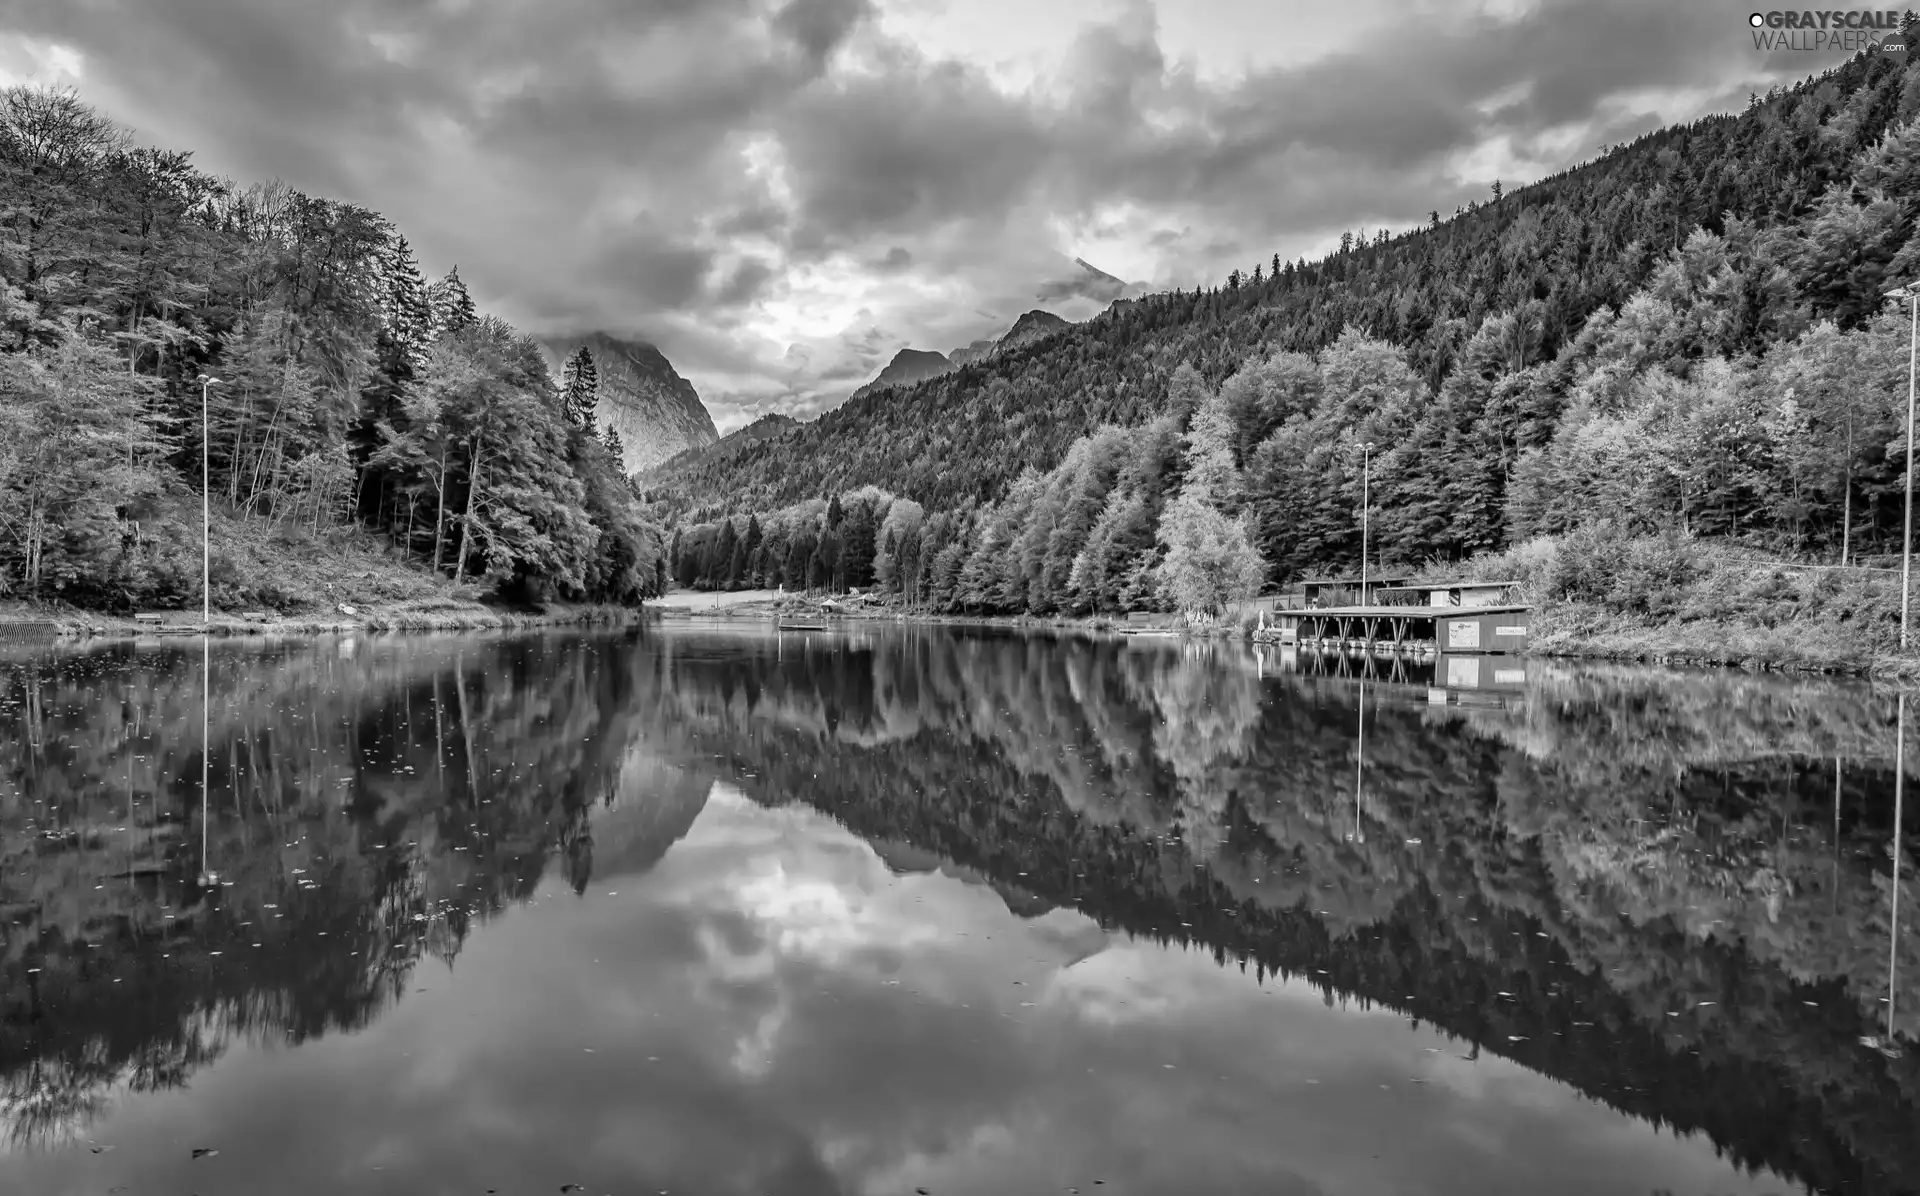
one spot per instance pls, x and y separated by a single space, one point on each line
1673 891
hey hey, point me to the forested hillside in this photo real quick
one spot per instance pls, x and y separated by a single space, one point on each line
352 398
1687 335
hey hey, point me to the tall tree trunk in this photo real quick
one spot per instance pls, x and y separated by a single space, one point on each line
440 511
36 540
466 521
1846 513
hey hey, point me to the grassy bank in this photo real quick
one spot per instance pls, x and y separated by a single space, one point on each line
290 583
1599 595
1676 600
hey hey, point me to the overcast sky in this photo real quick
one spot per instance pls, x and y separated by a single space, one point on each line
781 193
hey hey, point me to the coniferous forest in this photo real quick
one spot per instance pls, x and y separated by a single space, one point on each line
1684 342
353 401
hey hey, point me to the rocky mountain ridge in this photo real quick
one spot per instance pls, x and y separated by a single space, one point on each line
657 413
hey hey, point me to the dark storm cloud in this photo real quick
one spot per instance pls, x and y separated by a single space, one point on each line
819 26
908 151
744 283
592 162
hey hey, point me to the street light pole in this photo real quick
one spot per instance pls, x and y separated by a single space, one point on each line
206 510
1913 362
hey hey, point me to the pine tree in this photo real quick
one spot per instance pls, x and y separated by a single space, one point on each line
450 306
404 305
610 436
580 388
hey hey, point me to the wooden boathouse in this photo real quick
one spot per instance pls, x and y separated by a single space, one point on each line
1451 593
1490 628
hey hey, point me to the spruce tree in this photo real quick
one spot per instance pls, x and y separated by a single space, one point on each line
407 316
450 307
580 388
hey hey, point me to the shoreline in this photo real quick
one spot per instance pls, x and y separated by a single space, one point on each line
31 625
1561 633
1692 645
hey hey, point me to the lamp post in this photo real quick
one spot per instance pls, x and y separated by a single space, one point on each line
1912 296
1366 511
206 510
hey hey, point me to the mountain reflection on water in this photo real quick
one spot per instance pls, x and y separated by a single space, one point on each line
728 910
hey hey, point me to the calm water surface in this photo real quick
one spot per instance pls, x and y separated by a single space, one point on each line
719 910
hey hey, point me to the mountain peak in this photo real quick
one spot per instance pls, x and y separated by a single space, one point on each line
1087 281
1032 326
907 367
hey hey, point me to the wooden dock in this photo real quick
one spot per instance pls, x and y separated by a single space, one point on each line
1451 629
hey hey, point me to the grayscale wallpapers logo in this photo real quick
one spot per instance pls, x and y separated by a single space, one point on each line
1847 31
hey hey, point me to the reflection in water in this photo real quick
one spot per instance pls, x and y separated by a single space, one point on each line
1359 758
829 912
1893 890
206 878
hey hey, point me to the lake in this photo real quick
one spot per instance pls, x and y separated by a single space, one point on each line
716 909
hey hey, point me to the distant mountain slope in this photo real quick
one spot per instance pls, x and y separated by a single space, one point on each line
655 410
1089 282
1556 251
765 428
908 366
972 352
917 365
773 424
1032 326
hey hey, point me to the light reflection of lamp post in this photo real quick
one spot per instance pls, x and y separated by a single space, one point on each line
1356 835
206 507
207 878
1899 801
